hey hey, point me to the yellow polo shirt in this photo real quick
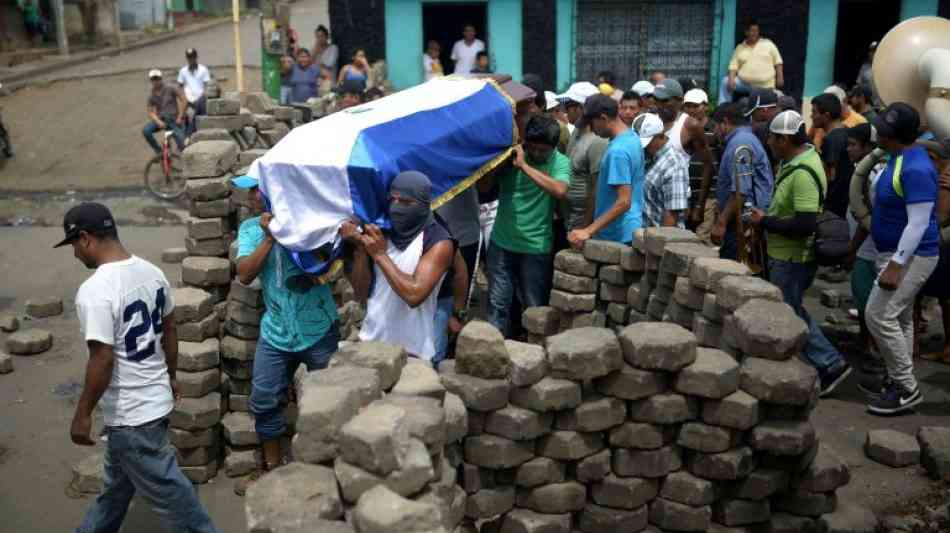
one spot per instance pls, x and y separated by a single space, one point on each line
756 64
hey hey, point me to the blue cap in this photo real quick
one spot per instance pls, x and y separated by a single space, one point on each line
245 182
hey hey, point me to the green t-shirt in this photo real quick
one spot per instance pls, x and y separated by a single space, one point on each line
796 192
525 211
31 13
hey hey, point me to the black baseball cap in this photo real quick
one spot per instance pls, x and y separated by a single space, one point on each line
898 121
91 217
599 104
760 99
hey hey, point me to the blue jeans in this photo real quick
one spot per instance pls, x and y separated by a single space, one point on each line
725 95
794 279
443 312
529 274
149 132
142 459
273 372
729 249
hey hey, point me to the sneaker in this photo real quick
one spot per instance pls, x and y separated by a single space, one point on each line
874 384
831 380
241 486
895 399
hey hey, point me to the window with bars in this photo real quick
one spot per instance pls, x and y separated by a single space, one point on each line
633 38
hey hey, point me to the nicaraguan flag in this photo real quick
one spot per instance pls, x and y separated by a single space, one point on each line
340 167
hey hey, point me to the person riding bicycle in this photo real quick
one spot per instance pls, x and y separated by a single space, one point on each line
166 107
193 78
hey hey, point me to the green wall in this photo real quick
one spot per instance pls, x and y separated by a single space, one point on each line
918 8
820 49
566 16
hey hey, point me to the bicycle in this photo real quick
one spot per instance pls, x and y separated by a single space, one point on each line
163 173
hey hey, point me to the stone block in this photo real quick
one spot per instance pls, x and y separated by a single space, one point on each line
488 503
478 394
528 363
569 445
783 437
770 330
238 429
211 134
583 353
632 260
206 228
9 322
249 295
202 473
29 342
705 438
664 409
197 384
594 414
657 239
575 303
456 418
242 461
210 159
849 518
235 386
679 257
247 157
518 424
480 351
618 313
197 413
737 512
729 465
377 439
708 333
244 314
206 271
540 471
760 484
209 209
573 262
640 436
831 298
624 492
216 247
892 448
794 464
706 272
603 251
638 296
206 190
789 382
646 463
191 304
88 476
6 363
685 488
677 314
239 403
616 274
555 498
595 319
323 410
387 359
264 122
475 478
802 503
593 468
675 516
631 383
223 106
181 438
541 320
229 123
825 473
491 451
613 293
199 331
44 307
527 521
419 379
414 472
711 309
198 356
714 374
789 523
574 284
658 346
735 291
549 394
196 456
238 349
597 519
292 496
738 410
260 103
935 451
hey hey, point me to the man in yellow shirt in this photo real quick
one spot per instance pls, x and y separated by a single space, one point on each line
756 62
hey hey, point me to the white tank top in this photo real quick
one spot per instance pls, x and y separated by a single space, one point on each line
390 319
676 133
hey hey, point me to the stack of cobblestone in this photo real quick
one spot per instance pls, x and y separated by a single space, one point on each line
254 127
370 452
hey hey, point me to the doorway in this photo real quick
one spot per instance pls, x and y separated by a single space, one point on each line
860 22
444 22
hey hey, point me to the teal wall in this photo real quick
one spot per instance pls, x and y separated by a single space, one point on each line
404 38
820 50
565 11
722 45
918 8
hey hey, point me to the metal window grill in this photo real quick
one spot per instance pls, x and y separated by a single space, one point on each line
633 38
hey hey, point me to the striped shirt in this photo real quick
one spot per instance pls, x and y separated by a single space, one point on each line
666 187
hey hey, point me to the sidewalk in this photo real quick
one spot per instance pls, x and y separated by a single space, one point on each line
14 78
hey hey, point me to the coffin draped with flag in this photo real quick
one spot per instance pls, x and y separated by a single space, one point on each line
340 167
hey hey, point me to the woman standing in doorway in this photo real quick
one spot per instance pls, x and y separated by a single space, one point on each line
326 54
357 71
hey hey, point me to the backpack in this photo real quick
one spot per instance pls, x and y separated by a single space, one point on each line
832 234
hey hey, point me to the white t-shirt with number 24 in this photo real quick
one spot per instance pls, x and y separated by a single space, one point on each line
124 304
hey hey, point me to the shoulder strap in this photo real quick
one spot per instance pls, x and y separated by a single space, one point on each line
814 176
896 178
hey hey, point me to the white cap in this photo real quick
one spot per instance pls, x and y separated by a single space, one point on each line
579 92
787 123
642 88
837 91
550 100
695 96
154 73
647 126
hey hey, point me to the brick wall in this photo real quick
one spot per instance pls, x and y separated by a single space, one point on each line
786 23
539 40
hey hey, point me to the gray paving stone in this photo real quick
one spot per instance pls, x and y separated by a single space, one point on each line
706 272
197 413
760 484
387 359
783 437
376 439
478 394
734 291
88 476
593 468
555 498
569 445
678 517
456 418
892 448
517 423
527 521
492 451
487 503
801 503
935 451
789 382
598 519
191 304
594 414
664 409
630 383
574 303
210 209
541 320
323 410
206 271
679 257
729 465
380 510
549 394
208 159
603 251
658 346
29 341
770 330
641 436
657 239
573 262
44 306
206 190
198 356
181 438
205 328
418 378
711 309
646 463
480 351
735 512
683 487
706 438
6 363
574 284
540 471
197 384
825 473
9 322
528 363
739 410
714 374
584 353
624 492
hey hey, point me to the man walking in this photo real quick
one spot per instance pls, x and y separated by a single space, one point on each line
300 325
127 318
756 62
826 115
465 50
666 187
585 150
193 78
790 226
165 108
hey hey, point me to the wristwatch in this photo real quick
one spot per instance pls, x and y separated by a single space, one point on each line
460 314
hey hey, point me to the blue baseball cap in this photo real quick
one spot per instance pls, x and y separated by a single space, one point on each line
245 182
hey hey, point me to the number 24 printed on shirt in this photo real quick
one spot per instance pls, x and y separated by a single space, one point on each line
151 322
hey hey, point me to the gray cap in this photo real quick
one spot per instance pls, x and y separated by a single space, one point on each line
668 88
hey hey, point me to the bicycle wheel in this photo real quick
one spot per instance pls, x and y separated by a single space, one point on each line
166 187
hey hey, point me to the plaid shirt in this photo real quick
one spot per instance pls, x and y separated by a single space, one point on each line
666 187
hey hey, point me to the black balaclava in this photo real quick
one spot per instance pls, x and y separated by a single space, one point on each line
409 220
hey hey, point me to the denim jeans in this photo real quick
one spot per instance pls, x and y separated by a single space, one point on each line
729 249
273 372
443 312
529 274
794 279
726 96
141 459
149 132
201 108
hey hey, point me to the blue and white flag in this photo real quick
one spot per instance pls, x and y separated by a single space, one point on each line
340 167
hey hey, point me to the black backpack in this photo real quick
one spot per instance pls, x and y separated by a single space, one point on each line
832 234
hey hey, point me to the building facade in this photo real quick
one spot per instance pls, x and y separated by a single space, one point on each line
566 40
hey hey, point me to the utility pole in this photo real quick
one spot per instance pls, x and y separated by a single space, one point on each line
62 41
238 60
